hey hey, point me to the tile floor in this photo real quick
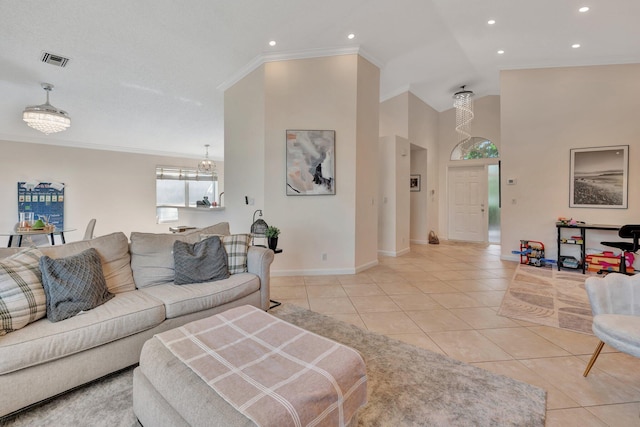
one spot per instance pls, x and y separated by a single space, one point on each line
445 297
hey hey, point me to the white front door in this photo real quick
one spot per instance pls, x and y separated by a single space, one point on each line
467 194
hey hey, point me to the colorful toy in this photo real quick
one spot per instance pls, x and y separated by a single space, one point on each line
532 253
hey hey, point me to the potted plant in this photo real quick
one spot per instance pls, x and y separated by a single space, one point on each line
272 237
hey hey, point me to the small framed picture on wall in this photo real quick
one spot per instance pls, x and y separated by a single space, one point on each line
414 182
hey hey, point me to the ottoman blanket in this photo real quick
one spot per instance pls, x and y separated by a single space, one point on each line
271 371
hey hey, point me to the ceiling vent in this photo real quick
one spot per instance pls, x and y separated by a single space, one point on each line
53 59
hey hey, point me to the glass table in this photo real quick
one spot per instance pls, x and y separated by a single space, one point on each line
50 233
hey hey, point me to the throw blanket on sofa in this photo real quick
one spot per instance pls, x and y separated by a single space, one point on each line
275 373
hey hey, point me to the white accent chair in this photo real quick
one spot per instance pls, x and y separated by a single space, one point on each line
615 303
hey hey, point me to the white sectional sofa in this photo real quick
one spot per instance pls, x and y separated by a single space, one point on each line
44 359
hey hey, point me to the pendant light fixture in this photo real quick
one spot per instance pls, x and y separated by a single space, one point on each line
207 166
464 112
46 118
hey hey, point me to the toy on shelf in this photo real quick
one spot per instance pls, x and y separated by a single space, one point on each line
607 262
532 253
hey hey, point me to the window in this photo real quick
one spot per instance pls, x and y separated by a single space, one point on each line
182 188
475 147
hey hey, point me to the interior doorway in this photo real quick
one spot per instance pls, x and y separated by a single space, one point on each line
474 203
467 203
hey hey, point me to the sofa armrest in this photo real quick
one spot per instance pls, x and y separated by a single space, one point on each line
259 263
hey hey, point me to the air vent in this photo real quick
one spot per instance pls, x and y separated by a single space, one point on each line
53 59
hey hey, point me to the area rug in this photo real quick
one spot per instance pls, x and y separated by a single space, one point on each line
410 386
548 297
407 386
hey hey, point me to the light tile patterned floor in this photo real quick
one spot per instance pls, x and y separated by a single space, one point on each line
445 297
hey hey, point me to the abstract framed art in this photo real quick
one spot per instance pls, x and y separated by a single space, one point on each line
599 177
311 162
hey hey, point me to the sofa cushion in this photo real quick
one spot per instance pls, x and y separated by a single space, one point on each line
152 253
22 297
184 299
204 261
73 284
236 246
114 256
127 313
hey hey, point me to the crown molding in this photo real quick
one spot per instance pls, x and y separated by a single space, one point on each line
292 55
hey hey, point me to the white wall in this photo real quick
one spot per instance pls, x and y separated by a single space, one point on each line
545 113
394 208
244 149
423 133
319 93
118 189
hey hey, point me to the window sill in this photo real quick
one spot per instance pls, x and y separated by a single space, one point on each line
203 209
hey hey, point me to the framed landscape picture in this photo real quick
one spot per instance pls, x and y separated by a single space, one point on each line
311 163
599 177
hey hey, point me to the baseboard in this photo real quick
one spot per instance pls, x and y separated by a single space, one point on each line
366 266
313 272
323 271
395 253
419 242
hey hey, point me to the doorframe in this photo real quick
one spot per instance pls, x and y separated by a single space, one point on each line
470 163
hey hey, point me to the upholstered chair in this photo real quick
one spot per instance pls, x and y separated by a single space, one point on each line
615 303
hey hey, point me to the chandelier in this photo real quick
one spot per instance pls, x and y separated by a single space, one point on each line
207 166
46 118
464 112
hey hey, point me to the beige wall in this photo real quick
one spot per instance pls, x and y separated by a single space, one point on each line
545 113
394 116
407 116
118 189
337 93
367 124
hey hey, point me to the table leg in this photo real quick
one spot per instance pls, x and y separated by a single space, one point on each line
53 240
20 240
62 237
10 240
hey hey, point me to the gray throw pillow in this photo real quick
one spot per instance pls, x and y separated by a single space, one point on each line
204 261
73 284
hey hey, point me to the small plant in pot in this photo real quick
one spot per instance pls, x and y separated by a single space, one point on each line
272 234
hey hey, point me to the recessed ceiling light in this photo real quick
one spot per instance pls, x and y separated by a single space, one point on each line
272 43
583 9
491 21
351 36
575 45
500 52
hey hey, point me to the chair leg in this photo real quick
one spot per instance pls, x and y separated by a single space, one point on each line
593 358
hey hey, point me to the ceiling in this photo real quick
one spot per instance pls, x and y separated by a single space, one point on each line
149 75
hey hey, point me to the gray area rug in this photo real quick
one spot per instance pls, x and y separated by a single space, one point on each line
548 297
407 386
410 386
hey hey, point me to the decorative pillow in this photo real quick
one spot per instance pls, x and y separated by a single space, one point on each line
73 284
204 261
237 246
22 297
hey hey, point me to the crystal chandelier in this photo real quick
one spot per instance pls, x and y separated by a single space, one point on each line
46 118
207 166
464 112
